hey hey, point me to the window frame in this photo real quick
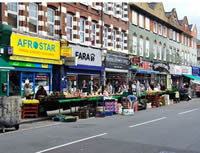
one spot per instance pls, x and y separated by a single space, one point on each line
105 37
51 23
34 17
93 34
134 48
141 21
155 27
82 31
68 27
114 38
114 9
14 13
164 52
122 40
160 51
134 17
174 35
122 11
147 47
105 9
178 37
160 29
141 47
164 31
155 50
147 27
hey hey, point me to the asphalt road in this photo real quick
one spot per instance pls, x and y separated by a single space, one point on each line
169 129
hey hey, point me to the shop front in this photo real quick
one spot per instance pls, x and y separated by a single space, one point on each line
87 68
32 59
142 71
116 68
176 75
196 71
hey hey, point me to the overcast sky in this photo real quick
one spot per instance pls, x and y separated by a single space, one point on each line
189 8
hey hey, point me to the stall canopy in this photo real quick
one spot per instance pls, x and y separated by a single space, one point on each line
192 77
145 71
5 65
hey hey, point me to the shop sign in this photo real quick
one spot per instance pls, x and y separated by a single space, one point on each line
36 60
187 70
28 64
143 66
66 51
63 43
86 55
161 66
177 70
136 60
117 61
35 47
195 71
70 60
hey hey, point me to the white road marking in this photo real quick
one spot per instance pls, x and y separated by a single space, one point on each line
192 110
21 130
147 122
73 142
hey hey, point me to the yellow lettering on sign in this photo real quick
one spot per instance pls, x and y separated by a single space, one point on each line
44 65
66 51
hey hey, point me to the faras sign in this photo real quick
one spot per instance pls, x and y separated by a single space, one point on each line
85 56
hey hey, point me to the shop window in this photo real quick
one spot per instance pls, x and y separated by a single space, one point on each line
147 25
122 41
33 17
147 48
114 38
105 36
134 18
13 15
141 46
50 21
82 30
69 27
93 33
134 45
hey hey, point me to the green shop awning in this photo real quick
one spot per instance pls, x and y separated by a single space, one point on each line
192 77
4 65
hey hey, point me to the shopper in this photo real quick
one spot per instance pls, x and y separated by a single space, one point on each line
131 98
84 86
27 91
110 88
41 93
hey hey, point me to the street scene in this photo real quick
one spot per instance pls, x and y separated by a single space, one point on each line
91 77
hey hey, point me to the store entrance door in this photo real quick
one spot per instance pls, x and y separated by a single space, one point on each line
14 83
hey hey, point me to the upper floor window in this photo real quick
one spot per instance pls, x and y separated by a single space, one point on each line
170 54
141 21
33 17
165 31
160 29
178 36
114 39
115 9
185 40
160 51
155 50
164 52
141 46
155 26
105 36
13 14
170 34
147 23
147 47
93 33
188 42
69 27
50 21
105 7
134 49
122 41
122 10
182 39
174 35
82 30
134 18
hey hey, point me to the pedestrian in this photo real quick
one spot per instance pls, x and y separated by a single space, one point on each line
27 91
41 93
131 98
84 86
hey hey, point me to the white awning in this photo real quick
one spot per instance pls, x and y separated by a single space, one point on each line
116 70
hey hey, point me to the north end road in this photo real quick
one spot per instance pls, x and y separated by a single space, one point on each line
169 129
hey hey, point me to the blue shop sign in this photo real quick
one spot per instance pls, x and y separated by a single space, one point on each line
196 71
